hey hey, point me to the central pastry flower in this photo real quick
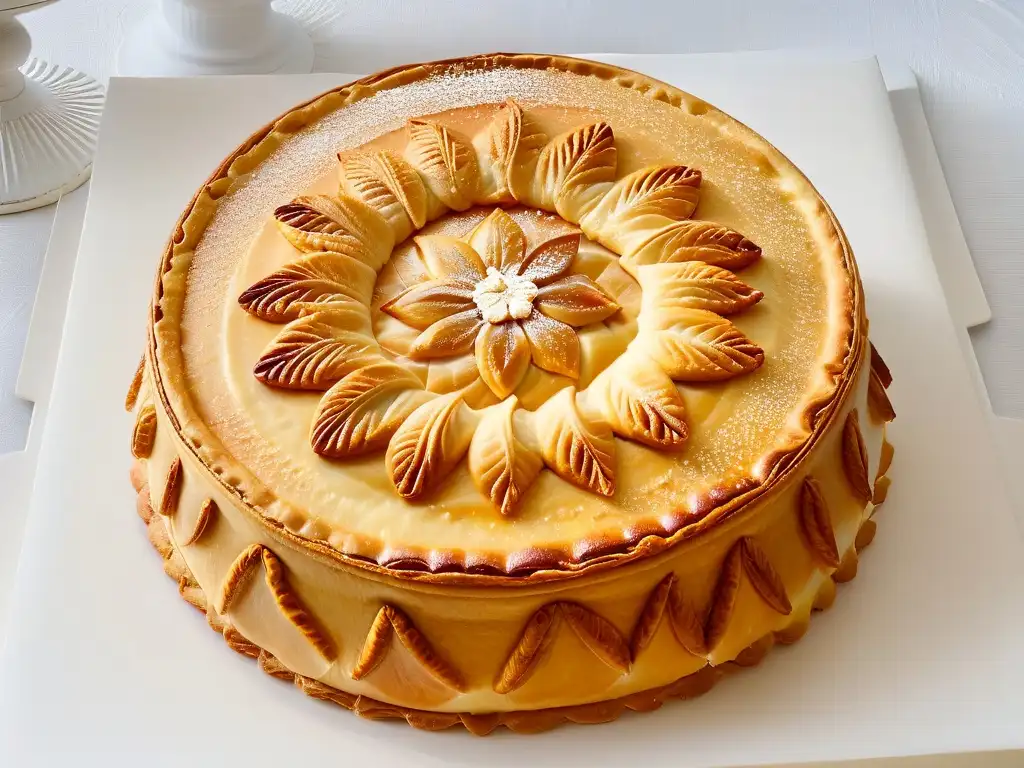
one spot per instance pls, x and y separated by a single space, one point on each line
487 291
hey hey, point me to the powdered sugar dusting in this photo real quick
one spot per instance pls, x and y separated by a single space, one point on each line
732 423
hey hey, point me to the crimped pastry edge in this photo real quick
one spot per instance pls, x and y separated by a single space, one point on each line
604 549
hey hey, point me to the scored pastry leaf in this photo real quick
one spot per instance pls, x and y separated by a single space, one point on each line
879 404
580 451
389 623
144 433
645 199
641 403
702 346
727 587
651 616
855 458
389 185
338 224
510 146
293 608
208 511
427 446
360 413
313 352
172 489
237 575
376 645
706 241
550 259
447 161
502 466
879 367
686 623
666 600
318 281
598 634
575 170
763 576
536 638
817 524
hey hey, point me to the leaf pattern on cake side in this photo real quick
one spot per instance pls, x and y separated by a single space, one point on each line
535 639
293 609
763 576
855 458
144 432
172 489
879 405
817 524
879 367
597 633
207 513
666 601
724 600
389 623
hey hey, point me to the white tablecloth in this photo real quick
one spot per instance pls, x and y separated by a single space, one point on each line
968 56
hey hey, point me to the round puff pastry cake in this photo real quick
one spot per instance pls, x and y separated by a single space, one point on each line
508 390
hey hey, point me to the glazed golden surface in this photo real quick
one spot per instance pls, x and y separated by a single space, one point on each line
687 541
737 428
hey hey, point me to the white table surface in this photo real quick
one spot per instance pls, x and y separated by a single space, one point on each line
967 54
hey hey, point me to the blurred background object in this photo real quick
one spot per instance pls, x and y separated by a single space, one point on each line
49 116
182 38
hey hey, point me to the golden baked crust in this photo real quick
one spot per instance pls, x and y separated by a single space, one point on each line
307 397
525 721
634 536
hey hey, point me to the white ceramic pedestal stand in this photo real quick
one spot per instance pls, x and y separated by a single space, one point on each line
215 37
49 116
